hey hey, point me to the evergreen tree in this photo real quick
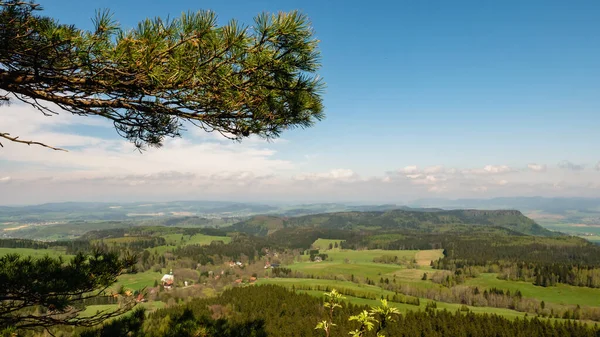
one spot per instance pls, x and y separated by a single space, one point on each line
47 291
148 81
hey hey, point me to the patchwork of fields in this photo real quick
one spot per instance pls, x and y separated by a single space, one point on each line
359 274
342 266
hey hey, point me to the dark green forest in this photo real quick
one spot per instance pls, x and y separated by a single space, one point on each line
275 311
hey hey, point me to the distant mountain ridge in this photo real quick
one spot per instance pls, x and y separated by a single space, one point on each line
521 203
84 211
185 211
426 221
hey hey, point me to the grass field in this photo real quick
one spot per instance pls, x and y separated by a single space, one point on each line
124 239
592 238
403 307
360 264
340 285
424 257
139 280
323 244
35 252
367 256
342 269
343 263
378 292
560 294
173 240
197 239
93 309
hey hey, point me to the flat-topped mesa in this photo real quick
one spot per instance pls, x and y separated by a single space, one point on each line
401 219
478 212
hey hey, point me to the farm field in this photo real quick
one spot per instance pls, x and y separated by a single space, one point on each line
345 270
511 314
37 253
197 239
559 294
339 267
139 280
366 256
323 244
592 238
174 240
364 289
378 292
93 309
343 263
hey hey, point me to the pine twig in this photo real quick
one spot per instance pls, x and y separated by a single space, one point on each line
28 142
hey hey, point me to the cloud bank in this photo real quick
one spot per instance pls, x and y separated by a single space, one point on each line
102 167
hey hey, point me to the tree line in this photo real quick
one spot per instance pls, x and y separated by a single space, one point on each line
544 261
274 311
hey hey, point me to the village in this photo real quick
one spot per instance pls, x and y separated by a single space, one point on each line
180 283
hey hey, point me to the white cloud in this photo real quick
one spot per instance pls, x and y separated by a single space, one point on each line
332 175
433 169
412 169
567 165
497 169
437 189
101 166
95 156
536 167
490 169
427 180
597 166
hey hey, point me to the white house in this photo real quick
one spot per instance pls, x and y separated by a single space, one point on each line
168 280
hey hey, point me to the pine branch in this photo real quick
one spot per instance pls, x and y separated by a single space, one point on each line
231 79
28 142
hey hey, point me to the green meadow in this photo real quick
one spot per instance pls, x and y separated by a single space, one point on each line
36 253
559 294
323 244
174 240
378 292
138 281
197 239
124 239
367 256
343 263
345 270
94 309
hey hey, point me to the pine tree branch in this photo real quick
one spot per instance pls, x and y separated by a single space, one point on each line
148 81
28 142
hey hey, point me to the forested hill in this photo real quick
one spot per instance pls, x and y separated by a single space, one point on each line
431 221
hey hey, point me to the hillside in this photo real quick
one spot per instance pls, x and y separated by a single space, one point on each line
426 221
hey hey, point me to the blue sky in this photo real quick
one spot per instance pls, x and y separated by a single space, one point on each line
459 84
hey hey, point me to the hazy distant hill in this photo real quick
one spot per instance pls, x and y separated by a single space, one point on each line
427 221
84 211
185 212
80 211
550 205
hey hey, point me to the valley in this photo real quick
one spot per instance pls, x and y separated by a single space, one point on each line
428 260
